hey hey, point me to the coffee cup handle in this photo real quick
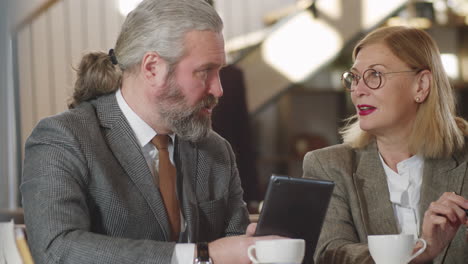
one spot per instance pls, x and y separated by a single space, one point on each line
249 253
421 250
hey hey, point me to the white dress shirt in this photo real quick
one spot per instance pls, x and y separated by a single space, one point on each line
183 253
405 190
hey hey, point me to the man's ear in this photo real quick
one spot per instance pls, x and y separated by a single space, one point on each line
423 86
153 68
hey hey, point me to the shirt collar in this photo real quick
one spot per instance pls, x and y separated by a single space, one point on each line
143 132
409 171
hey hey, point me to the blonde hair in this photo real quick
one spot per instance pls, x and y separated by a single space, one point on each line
436 132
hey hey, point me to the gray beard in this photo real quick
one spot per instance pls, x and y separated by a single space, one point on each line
186 122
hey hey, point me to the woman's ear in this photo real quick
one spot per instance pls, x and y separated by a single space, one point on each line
423 86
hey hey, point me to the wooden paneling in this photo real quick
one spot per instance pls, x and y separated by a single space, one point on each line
60 60
41 71
51 47
94 22
77 37
112 21
26 92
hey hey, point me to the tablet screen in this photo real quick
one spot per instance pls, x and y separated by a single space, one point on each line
295 208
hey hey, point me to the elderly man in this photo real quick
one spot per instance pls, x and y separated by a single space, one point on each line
132 173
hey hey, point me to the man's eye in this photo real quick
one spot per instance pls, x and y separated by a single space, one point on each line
202 73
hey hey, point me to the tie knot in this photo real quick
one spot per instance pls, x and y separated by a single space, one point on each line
160 141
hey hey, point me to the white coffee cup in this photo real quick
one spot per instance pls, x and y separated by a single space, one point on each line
394 249
289 251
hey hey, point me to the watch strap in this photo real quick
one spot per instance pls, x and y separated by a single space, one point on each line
202 251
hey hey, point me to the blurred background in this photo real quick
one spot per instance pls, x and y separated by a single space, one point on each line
282 92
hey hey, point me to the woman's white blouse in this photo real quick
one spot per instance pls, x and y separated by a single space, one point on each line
405 191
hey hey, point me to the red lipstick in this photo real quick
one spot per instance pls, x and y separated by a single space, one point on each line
365 109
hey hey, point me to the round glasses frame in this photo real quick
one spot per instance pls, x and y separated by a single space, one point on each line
371 77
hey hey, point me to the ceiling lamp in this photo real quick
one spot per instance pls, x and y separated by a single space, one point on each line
301 46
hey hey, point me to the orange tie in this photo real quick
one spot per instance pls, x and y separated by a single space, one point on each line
167 184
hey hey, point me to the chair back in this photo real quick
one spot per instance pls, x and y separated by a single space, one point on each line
16 214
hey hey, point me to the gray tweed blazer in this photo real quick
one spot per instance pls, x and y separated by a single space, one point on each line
89 197
361 206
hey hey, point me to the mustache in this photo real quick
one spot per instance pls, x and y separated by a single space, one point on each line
208 102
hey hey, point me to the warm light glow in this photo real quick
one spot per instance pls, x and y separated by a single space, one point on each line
450 62
417 22
440 5
300 46
460 7
440 8
375 11
125 6
332 8
245 41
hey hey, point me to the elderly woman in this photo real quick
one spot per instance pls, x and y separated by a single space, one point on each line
403 165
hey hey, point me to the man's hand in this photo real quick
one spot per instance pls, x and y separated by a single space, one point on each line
233 250
251 229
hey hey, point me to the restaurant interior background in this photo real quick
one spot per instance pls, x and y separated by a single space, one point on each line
282 91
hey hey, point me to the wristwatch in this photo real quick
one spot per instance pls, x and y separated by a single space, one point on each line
203 256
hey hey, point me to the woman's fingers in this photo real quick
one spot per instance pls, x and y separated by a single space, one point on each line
443 223
448 209
454 198
450 205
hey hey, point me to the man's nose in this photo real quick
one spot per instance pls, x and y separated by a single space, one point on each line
215 87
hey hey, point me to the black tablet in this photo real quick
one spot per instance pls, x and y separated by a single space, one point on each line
295 208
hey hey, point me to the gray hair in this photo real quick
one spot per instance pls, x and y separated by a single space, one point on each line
155 25
160 26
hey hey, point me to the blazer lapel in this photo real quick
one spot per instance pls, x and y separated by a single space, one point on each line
186 162
124 146
443 175
373 195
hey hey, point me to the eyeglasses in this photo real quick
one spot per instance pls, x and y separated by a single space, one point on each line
372 78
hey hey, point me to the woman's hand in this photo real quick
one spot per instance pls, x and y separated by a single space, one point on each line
441 222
